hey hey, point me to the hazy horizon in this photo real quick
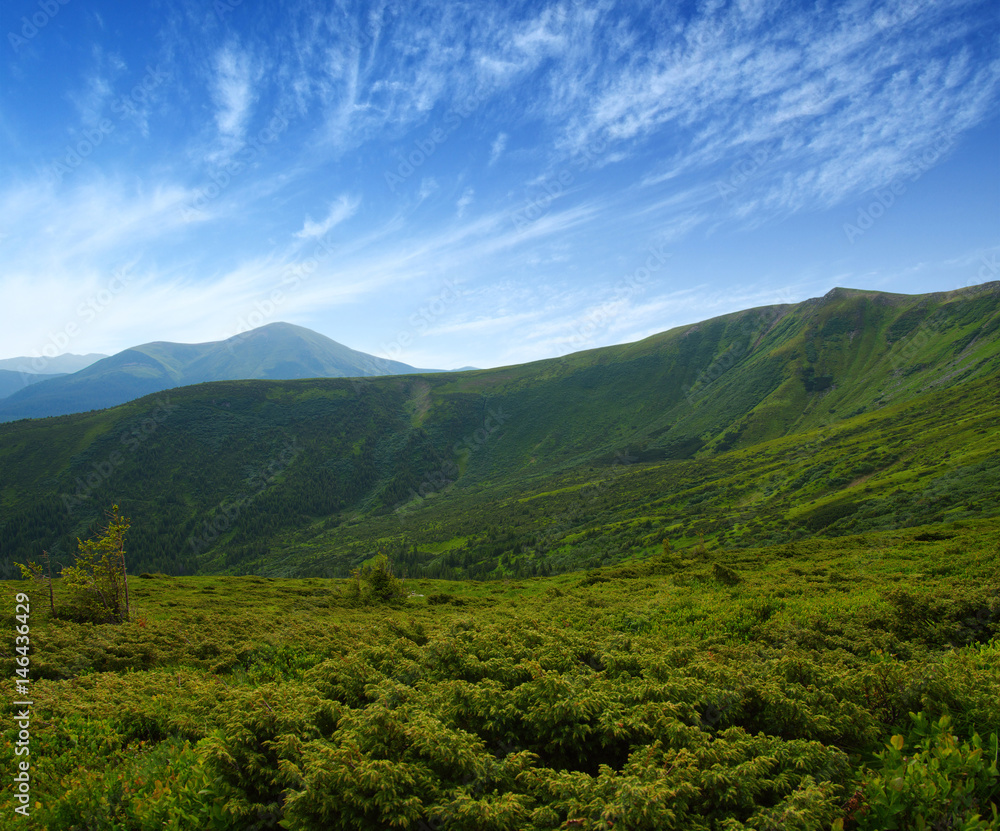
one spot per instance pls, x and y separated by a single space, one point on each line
48 357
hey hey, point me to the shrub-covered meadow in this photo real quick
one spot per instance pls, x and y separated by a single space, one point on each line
849 683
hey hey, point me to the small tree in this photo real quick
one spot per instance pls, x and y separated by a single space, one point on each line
383 583
34 571
100 568
380 585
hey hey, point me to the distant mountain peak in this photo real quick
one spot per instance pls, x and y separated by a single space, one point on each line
278 327
276 351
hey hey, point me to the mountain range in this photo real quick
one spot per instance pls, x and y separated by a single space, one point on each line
44 365
17 373
858 410
11 382
275 351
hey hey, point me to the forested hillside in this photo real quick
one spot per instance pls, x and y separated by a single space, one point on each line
855 411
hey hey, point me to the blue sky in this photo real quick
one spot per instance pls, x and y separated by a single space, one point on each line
487 183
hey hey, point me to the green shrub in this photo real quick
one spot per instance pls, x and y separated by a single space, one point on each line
375 584
726 575
593 577
941 782
442 598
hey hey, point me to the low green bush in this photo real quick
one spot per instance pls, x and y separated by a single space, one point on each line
932 779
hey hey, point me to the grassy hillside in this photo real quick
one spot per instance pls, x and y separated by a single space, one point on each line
12 381
846 684
856 411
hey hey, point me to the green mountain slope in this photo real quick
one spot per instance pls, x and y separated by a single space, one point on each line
855 411
278 351
11 382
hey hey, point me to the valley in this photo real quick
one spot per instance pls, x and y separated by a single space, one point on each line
717 433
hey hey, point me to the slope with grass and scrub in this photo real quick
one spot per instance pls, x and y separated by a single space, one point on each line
857 410
847 683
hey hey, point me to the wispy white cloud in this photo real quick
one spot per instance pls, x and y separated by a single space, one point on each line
96 218
93 99
497 148
79 259
342 209
234 93
428 185
485 325
464 201
849 104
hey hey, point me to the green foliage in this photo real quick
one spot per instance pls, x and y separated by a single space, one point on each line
106 782
655 698
40 574
725 575
932 779
440 598
375 583
98 581
825 515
